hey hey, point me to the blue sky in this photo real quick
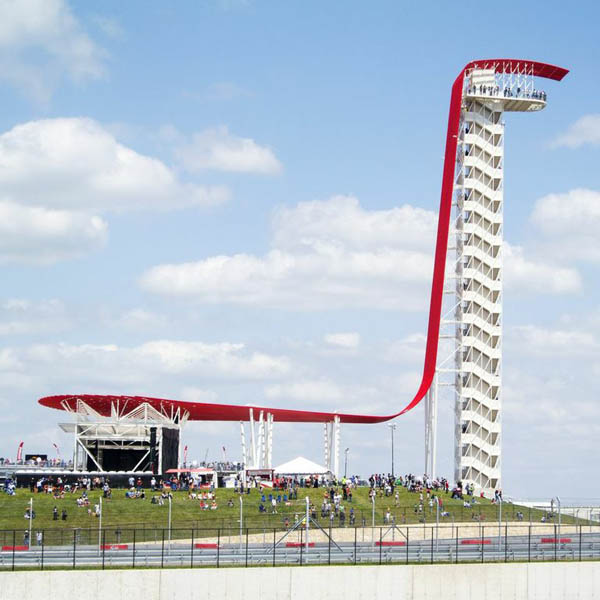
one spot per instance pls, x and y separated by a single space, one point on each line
284 161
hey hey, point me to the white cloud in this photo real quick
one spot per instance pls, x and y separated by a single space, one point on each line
523 275
570 222
409 349
532 340
341 221
48 31
76 164
329 258
37 235
194 394
222 359
138 320
23 317
310 391
576 211
138 369
586 130
343 340
57 175
220 150
335 254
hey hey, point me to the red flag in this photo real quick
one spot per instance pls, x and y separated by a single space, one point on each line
20 452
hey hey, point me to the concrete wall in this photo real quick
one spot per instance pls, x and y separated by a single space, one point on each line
531 581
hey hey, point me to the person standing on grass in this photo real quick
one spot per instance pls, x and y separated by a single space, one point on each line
39 536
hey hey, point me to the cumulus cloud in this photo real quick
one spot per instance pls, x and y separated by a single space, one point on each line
41 42
409 349
77 164
343 340
523 275
343 222
220 150
586 130
335 254
572 221
37 235
24 317
320 264
532 340
58 175
308 391
119 368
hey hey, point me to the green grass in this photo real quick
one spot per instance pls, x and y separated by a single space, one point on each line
149 519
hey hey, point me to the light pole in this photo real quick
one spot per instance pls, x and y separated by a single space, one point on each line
100 527
30 520
241 520
169 521
392 427
437 522
559 518
373 519
346 462
500 523
307 522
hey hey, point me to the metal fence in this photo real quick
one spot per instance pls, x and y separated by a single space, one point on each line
298 545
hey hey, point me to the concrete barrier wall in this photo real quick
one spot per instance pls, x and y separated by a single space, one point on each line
531 581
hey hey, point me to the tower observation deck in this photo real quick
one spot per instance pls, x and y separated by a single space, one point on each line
474 281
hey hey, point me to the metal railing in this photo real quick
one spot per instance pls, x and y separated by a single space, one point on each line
298 545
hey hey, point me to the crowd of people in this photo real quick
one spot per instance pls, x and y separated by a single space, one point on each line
507 92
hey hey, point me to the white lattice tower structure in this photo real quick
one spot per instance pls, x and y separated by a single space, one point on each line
472 322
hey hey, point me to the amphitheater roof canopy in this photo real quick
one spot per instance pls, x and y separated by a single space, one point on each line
198 411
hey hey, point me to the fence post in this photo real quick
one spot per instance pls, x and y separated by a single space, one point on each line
42 557
13 548
103 546
482 540
274 544
456 557
506 542
192 552
218 547
162 550
380 543
246 546
133 555
432 545
529 545
355 532
74 545
580 526
301 544
407 530
555 544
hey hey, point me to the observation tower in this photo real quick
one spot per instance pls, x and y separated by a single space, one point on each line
472 314
465 315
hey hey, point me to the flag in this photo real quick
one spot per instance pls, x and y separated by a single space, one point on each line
20 452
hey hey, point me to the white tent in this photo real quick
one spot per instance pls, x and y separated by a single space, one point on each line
300 466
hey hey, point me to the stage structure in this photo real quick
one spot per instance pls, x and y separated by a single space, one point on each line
133 437
465 312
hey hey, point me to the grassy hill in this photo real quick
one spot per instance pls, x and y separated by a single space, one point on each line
123 514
